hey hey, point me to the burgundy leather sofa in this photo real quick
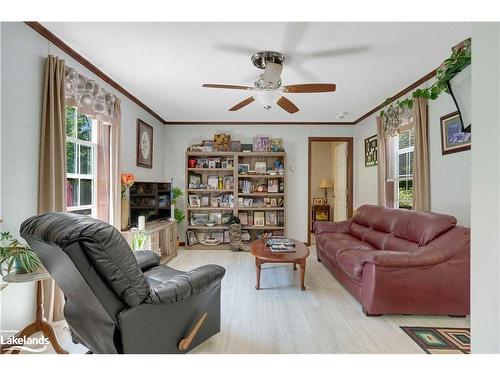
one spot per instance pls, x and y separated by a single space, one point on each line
399 261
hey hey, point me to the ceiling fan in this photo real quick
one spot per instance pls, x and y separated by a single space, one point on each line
268 88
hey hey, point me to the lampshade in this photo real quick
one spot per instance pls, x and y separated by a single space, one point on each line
325 183
266 98
460 89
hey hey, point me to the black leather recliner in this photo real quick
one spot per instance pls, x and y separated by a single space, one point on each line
120 303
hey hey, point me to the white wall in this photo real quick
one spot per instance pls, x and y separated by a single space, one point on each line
23 54
485 246
295 140
450 174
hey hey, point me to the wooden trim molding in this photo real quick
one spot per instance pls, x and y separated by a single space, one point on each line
257 123
350 176
403 92
39 28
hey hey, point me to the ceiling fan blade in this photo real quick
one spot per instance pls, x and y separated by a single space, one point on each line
234 87
310 87
243 103
287 105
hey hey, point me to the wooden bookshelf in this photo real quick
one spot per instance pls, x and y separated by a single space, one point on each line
237 158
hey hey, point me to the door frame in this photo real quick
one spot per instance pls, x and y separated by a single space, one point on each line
349 177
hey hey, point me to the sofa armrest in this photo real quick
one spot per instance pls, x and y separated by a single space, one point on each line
321 227
146 259
183 285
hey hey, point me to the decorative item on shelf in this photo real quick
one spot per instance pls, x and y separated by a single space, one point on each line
271 218
453 137
192 237
220 185
261 144
213 182
144 144
243 168
222 142
205 201
141 239
246 147
16 256
230 162
141 223
235 146
259 219
199 219
215 217
272 186
208 145
318 201
371 151
192 163
194 180
260 167
277 145
325 184
127 180
194 200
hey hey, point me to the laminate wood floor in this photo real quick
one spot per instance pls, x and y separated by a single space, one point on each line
281 318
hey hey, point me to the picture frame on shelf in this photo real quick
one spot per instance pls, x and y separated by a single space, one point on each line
371 151
144 145
247 202
222 142
318 201
202 236
212 164
205 201
273 186
230 162
199 219
271 218
259 218
194 180
261 144
277 145
453 138
215 217
213 182
194 200
228 182
273 202
218 236
243 216
243 168
225 217
214 202
224 165
260 167
246 147
192 237
235 146
227 239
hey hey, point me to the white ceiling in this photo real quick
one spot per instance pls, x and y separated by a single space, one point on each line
165 64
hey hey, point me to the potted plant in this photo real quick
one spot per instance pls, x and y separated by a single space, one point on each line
127 180
14 255
178 213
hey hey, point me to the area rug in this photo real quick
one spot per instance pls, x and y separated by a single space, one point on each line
440 340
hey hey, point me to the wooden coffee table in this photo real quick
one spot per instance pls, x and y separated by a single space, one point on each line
264 255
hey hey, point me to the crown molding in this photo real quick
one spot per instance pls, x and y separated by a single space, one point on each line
39 28
257 123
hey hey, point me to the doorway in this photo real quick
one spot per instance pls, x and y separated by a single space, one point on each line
330 180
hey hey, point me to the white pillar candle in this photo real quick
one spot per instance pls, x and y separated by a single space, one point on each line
172 209
141 222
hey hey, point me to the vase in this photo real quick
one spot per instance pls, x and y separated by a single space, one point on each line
125 214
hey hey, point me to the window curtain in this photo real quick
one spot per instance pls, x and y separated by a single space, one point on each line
385 166
421 162
52 165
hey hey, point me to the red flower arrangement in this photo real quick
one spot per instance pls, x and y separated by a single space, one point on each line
127 180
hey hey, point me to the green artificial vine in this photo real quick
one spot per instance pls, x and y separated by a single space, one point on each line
460 58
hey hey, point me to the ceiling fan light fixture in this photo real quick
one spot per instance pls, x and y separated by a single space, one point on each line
267 98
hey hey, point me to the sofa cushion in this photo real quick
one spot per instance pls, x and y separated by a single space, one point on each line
386 219
376 238
399 244
422 227
358 231
353 261
365 214
331 244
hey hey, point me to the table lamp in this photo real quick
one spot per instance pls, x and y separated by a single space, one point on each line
325 184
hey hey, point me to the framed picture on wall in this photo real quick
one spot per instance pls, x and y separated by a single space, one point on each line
144 145
371 151
453 137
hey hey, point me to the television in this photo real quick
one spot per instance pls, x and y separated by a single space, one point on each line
151 200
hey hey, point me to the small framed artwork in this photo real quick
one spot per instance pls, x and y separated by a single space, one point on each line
205 201
318 201
277 145
213 182
192 237
261 144
247 202
144 144
246 147
273 202
212 164
194 180
194 201
260 167
453 137
222 142
273 186
243 168
224 165
371 151
228 182
259 219
271 218
235 146
230 163
214 201
215 217
243 216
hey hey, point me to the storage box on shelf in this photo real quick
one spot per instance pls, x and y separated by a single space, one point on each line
249 185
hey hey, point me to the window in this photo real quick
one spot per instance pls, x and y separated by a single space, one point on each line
404 144
81 146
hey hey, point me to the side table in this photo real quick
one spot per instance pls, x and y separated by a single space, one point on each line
39 325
